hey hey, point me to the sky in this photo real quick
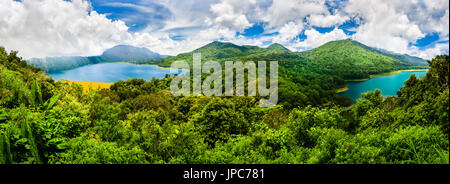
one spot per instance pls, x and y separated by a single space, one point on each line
45 28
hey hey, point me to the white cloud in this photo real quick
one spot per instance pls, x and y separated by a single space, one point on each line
383 26
39 28
443 26
315 39
231 13
186 14
282 11
326 20
288 32
429 15
438 49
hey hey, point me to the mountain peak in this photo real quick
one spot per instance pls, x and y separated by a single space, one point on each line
277 46
127 48
129 53
404 58
347 47
219 44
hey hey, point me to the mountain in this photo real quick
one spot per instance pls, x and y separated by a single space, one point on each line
347 59
277 47
54 64
353 60
119 53
344 47
221 51
405 58
129 53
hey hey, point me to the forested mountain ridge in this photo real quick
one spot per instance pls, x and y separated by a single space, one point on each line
405 58
119 53
347 59
277 46
43 121
353 60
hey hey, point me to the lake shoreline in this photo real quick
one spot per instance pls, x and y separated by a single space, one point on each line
341 90
114 71
344 89
155 64
388 84
396 72
385 74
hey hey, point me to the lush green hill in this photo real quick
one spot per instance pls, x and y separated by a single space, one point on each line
277 47
217 51
353 60
346 59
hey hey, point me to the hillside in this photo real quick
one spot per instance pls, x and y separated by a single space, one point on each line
353 60
223 51
217 51
119 53
346 59
277 47
405 58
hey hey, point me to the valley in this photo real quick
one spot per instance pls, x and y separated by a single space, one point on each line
139 121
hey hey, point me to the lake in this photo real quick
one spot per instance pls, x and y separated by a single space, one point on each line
389 85
112 72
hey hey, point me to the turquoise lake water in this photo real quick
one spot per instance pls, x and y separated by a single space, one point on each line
389 85
113 72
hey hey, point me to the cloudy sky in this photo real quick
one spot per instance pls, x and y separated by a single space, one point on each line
39 28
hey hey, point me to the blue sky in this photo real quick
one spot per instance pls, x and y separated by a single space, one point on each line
82 27
137 20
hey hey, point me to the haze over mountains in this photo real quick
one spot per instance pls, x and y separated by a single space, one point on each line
348 59
119 53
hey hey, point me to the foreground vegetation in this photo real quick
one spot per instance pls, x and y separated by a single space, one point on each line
137 121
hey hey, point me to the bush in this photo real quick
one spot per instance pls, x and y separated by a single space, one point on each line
417 145
90 151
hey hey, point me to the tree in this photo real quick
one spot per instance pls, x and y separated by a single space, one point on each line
219 120
439 68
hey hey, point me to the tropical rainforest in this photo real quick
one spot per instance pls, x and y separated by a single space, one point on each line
43 121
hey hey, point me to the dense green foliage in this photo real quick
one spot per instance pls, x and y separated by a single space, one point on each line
310 77
137 121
